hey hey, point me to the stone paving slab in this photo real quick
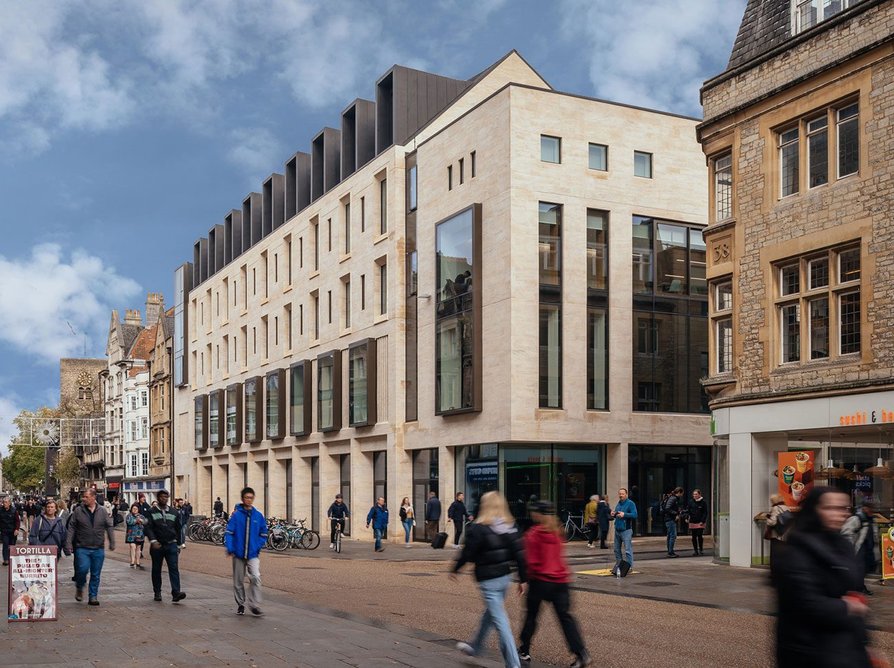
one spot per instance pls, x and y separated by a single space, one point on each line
129 628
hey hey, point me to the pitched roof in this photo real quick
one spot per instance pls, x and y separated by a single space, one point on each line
168 325
129 334
143 344
765 25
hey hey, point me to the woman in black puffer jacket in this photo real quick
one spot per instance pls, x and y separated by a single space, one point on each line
822 619
493 544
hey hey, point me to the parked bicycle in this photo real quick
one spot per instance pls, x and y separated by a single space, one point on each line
574 526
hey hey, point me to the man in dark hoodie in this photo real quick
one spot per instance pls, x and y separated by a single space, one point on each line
163 532
9 526
245 537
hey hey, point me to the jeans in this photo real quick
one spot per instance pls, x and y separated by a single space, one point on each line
671 526
559 595
8 539
165 553
408 529
378 533
89 559
494 593
626 538
253 567
457 531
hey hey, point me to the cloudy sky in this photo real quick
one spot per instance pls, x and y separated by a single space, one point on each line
128 129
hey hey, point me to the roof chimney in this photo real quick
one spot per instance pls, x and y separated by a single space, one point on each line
155 306
132 316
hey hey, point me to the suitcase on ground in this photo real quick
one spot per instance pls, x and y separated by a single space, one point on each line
439 541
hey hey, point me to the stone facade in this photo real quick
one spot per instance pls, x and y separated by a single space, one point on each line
80 392
161 402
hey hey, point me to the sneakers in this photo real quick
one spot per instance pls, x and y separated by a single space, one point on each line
179 596
240 610
582 661
158 596
672 555
79 595
524 656
465 648
93 601
331 546
257 612
381 549
589 544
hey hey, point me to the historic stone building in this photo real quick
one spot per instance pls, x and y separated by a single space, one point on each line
161 404
81 396
800 147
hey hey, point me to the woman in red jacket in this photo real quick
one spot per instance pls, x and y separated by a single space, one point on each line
548 579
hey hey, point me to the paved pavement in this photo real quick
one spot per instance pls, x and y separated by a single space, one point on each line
130 628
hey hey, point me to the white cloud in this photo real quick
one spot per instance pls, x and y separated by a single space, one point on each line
256 150
9 410
653 54
39 293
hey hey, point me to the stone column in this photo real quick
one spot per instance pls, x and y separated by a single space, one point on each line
276 479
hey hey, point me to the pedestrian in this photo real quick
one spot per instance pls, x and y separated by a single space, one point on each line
218 507
144 507
548 580
821 620
493 543
407 519
623 514
88 528
860 531
10 521
337 514
378 517
779 520
163 531
604 517
135 537
48 529
672 509
591 525
185 515
63 510
432 515
458 515
246 535
698 516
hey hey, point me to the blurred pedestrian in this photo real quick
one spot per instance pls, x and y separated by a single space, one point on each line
48 529
10 521
548 579
163 531
860 530
698 516
779 519
493 543
458 515
604 517
821 619
407 519
88 528
135 536
144 507
591 519
378 517
218 507
63 510
623 515
245 537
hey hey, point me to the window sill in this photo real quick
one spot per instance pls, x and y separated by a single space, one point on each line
313 274
382 237
265 301
314 344
243 313
346 332
380 318
288 289
344 258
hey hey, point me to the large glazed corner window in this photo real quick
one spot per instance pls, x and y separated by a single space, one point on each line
254 408
234 415
362 383
300 394
723 187
597 309
458 313
550 320
818 305
276 400
215 418
200 433
329 391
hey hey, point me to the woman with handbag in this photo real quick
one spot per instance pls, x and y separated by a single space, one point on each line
48 529
407 519
698 515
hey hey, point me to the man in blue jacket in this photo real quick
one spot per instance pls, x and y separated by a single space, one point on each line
245 536
623 513
378 517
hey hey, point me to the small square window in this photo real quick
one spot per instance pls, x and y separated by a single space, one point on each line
550 149
599 157
642 164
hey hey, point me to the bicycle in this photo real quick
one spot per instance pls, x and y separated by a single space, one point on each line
572 528
339 529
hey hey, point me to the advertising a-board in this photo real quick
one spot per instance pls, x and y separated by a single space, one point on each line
32 584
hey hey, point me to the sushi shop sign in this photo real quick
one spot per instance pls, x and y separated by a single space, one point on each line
32 584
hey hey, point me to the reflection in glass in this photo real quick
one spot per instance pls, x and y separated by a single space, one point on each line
199 425
550 220
251 410
273 406
642 255
671 259
698 284
357 381
454 256
232 412
597 359
597 249
454 346
550 356
819 328
214 419
297 399
325 390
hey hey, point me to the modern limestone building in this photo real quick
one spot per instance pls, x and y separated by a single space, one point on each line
799 141
471 285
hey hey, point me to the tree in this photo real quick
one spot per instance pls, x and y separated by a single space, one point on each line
24 467
68 467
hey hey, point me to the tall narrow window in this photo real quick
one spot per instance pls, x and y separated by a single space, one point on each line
412 185
363 214
300 398
849 317
288 325
819 328
789 170
383 206
329 234
642 164
597 249
723 326
329 391
234 414
275 410
253 391
723 187
597 309
472 164
449 177
289 260
315 301
329 305
362 383
461 171
550 329
347 214
550 149
316 227
848 140
362 292
346 300
383 288
818 151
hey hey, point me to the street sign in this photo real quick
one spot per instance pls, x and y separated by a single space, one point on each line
32 584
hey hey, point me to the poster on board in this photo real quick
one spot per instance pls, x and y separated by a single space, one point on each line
796 475
887 543
32 584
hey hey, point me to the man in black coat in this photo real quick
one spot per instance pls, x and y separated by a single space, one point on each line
163 533
458 514
9 526
432 515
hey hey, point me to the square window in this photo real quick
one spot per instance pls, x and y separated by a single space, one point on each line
598 157
849 265
550 149
642 164
818 271
789 280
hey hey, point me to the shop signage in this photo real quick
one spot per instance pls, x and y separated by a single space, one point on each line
866 417
887 543
796 475
32 584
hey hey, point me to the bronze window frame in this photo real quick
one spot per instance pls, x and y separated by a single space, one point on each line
280 375
307 405
333 358
236 390
258 384
369 351
201 403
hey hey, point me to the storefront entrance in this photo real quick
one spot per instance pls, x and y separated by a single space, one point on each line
655 470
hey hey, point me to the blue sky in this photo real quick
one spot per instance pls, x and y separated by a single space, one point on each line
128 129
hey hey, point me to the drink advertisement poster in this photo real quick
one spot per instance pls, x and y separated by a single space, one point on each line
32 583
796 475
887 542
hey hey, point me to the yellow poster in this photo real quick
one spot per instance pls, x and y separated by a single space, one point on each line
887 542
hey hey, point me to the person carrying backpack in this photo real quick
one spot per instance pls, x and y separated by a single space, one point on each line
672 509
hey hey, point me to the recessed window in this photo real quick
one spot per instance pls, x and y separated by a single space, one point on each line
642 164
234 415
818 151
789 169
449 177
790 322
362 384
472 163
849 265
808 13
723 187
848 141
789 279
724 334
383 206
818 271
383 288
412 185
300 392
253 391
275 413
723 296
598 157
329 391
550 149
461 171
347 222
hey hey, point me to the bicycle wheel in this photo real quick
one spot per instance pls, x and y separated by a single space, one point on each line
218 534
570 530
310 540
279 540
